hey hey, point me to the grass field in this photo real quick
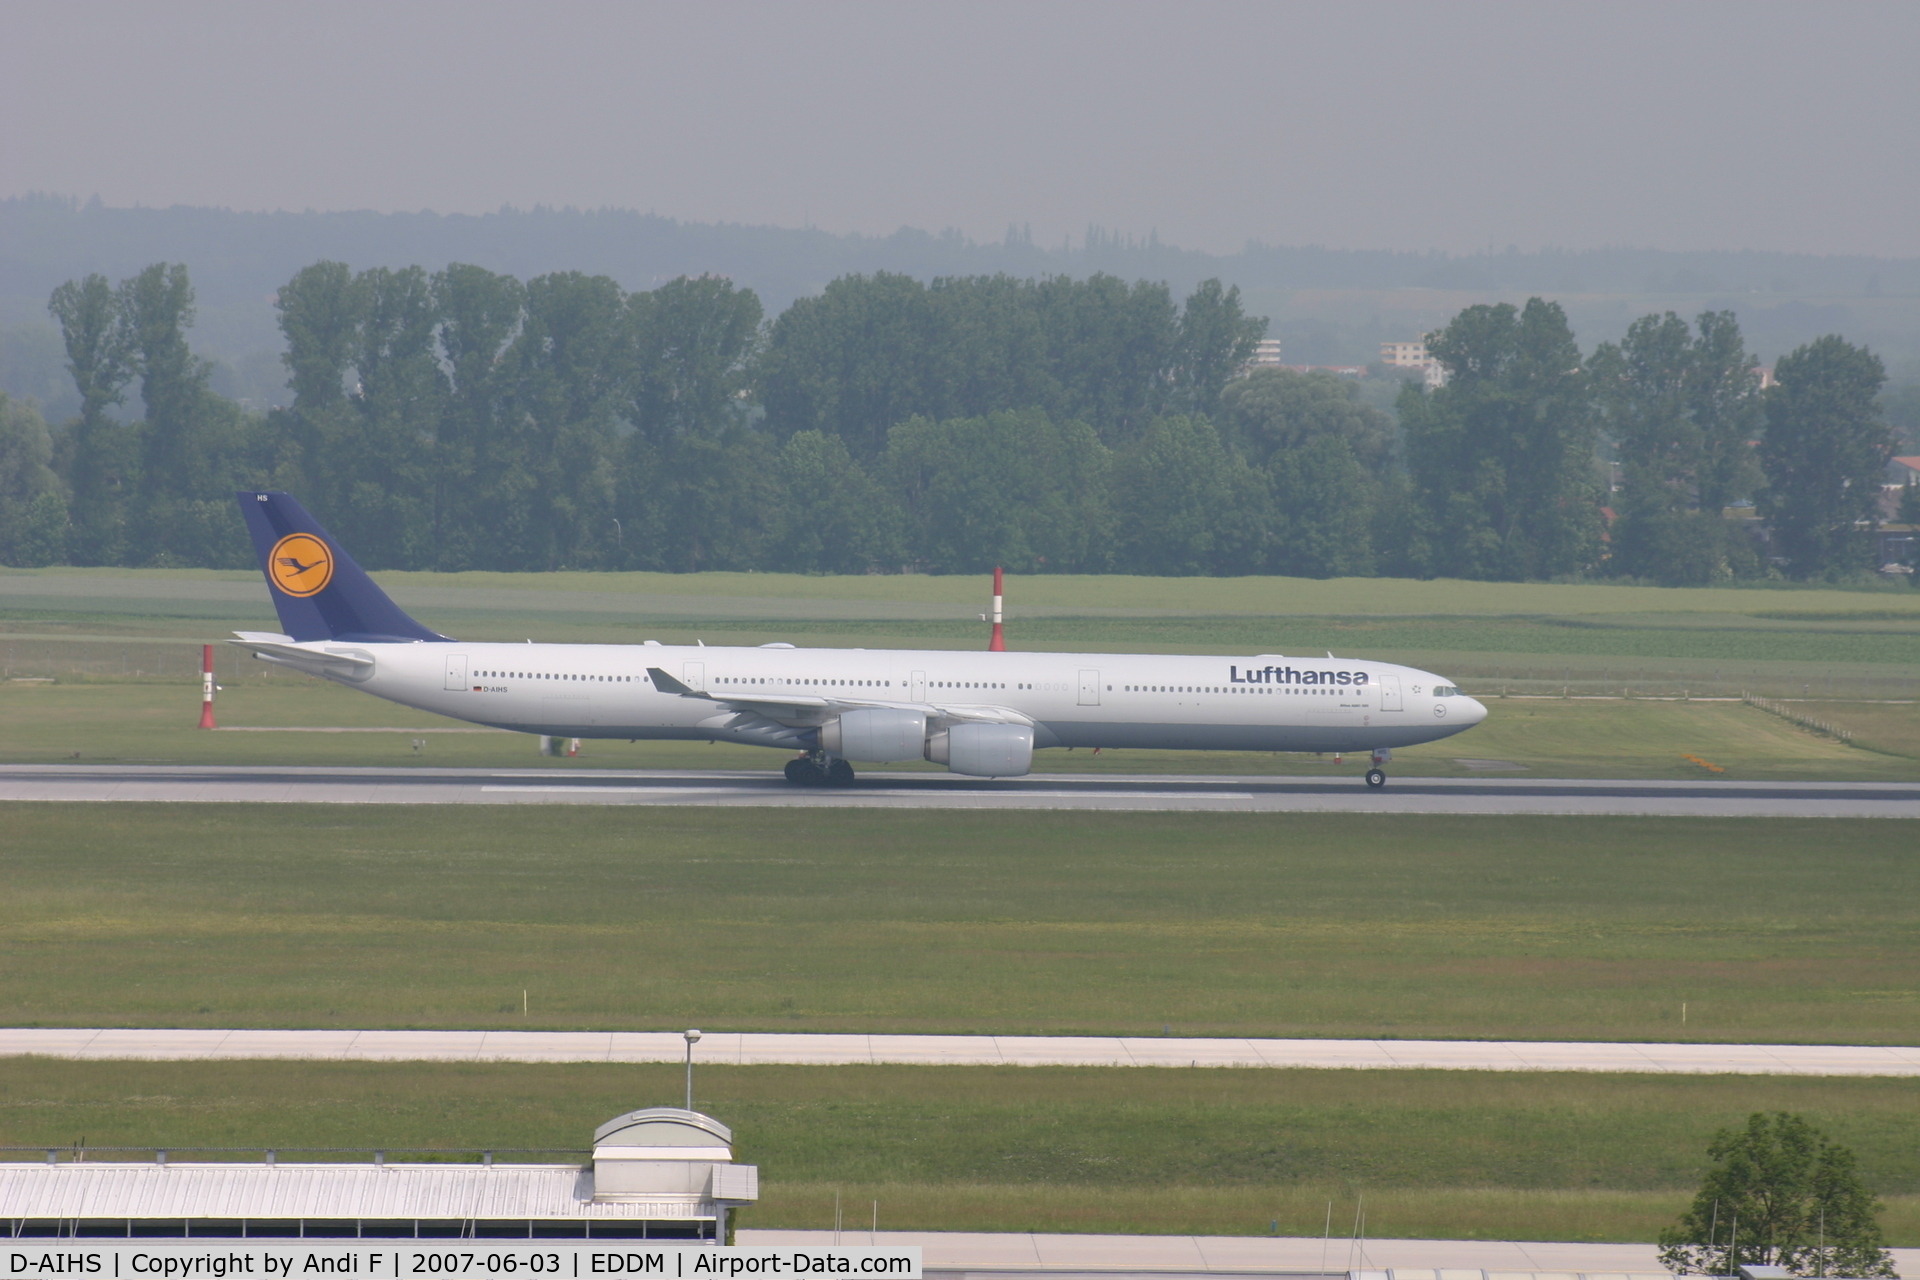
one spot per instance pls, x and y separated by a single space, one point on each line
1315 925
152 720
1537 637
1076 592
1272 925
1503 1156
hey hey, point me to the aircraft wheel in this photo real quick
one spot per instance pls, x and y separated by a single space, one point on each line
839 774
1376 778
801 772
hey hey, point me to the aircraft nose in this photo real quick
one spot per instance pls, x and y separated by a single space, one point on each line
1476 710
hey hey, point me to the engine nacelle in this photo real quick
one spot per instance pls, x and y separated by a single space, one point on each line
984 750
875 736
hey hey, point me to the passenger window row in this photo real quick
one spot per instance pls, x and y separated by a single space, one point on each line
552 675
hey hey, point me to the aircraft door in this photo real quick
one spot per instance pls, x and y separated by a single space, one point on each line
919 691
694 676
1089 688
1390 693
456 671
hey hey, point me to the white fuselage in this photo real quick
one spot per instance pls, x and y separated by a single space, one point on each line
1263 703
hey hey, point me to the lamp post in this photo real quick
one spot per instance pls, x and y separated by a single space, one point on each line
692 1037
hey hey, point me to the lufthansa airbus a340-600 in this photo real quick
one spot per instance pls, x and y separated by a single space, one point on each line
983 714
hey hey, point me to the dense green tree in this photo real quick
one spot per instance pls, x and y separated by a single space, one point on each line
1723 398
1323 451
1681 409
1112 348
1825 449
1185 504
157 310
385 452
320 313
694 340
717 500
1273 411
989 349
480 313
1013 489
195 446
98 456
1501 457
321 310
1323 511
1215 341
852 362
554 504
33 508
1779 1194
832 517
872 351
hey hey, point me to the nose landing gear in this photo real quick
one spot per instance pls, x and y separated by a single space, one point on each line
1376 776
818 769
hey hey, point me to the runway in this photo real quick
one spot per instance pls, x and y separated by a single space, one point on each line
788 1049
882 790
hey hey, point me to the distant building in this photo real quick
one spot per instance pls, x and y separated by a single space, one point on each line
1413 355
658 1174
1765 372
1266 355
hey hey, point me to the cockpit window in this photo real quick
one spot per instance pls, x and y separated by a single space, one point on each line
1445 691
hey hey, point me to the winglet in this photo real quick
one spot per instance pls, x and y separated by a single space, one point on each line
667 684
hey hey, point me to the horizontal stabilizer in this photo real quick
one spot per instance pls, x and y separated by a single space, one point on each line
287 649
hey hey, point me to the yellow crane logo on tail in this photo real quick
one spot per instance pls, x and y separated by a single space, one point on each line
300 565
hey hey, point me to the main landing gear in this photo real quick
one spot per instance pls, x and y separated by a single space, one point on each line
1376 776
818 769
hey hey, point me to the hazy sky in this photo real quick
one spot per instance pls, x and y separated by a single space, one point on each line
1680 125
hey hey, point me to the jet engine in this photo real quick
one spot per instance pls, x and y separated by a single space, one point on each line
875 735
984 750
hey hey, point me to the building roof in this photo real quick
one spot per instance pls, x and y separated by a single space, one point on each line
323 1191
663 1127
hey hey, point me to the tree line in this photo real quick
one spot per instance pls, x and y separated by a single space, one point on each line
464 419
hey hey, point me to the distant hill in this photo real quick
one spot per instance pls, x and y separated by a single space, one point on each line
238 260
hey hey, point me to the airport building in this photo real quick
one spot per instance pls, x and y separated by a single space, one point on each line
658 1174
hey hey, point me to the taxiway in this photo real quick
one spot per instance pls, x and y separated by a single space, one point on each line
801 1049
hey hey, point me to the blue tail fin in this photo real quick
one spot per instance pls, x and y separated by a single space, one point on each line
319 592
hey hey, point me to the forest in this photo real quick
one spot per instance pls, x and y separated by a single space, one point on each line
466 419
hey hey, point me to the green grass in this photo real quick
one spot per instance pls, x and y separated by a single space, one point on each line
1266 595
1448 1154
153 720
1268 925
1860 643
1885 728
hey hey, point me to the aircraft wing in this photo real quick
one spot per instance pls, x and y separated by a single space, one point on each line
810 707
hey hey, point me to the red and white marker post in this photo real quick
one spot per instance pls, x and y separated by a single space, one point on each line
999 642
206 687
